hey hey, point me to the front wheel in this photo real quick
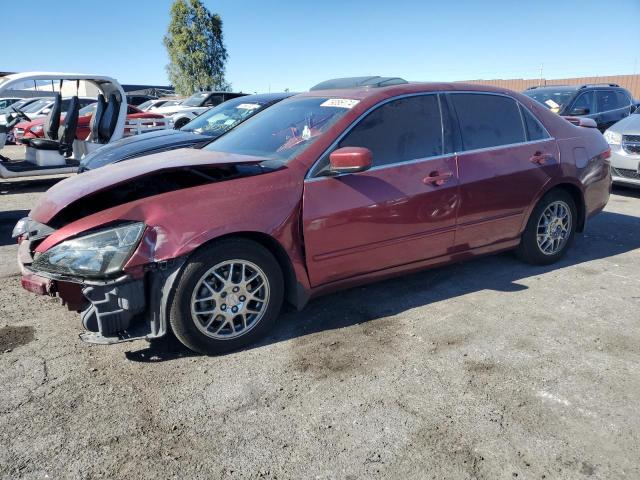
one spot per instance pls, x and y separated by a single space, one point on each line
550 230
229 295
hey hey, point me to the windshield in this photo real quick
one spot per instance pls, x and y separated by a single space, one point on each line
148 103
284 130
35 106
554 100
18 105
196 99
225 116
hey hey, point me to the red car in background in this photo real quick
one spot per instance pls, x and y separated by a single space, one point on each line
35 128
322 191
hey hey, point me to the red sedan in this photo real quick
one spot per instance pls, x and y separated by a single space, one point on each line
35 128
321 192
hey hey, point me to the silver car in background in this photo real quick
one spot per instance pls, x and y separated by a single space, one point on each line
624 139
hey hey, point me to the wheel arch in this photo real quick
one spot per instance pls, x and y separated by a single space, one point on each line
294 292
572 189
578 199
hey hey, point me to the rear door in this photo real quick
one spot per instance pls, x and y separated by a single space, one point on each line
611 107
505 158
392 214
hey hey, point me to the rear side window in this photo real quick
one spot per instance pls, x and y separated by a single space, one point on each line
401 130
606 100
623 100
535 130
487 120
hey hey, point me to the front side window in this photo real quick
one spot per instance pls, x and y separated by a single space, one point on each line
196 100
584 104
213 101
487 120
401 130
284 130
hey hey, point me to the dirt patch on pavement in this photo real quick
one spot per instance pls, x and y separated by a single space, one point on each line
12 337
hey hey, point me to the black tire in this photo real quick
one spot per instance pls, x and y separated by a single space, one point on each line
180 123
529 250
180 317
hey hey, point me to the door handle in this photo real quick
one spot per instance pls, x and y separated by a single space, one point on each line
437 178
540 158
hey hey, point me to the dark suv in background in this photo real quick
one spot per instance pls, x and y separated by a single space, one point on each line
605 103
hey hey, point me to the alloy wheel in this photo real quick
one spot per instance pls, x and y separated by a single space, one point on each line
554 227
230 299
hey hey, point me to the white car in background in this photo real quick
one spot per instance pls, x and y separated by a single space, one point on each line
41 107
157 103
194 105
624 139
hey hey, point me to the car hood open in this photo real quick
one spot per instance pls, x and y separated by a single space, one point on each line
120 176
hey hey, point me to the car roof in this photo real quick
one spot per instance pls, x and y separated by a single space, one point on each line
553 88
267 97
363 93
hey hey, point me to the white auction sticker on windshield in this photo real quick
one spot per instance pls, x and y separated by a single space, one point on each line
340 103
551 103
248 106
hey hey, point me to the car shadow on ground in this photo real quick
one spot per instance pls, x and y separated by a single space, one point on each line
608 234
625 191
8 220
27 186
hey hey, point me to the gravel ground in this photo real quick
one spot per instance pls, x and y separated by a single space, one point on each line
486 370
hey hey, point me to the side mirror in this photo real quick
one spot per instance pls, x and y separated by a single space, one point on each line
350 160
580 111
46 111
582 122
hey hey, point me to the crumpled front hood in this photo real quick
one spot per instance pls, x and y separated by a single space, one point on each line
76 188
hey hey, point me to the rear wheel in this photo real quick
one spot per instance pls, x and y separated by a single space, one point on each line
229 295
550 230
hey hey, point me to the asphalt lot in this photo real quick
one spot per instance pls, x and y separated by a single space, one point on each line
490 369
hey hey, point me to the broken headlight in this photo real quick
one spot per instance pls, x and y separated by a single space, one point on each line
98 254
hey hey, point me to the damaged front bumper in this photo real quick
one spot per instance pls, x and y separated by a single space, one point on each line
114 310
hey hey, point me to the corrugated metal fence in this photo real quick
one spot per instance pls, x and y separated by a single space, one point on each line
630 82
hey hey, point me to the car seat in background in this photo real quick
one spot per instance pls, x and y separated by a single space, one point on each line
67 133
94 126
109 119
52 122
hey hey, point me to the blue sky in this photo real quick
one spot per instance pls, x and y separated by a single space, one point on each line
295 44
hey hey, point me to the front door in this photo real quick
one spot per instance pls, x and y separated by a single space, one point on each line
393 214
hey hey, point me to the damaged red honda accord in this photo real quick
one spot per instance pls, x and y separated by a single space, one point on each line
323 191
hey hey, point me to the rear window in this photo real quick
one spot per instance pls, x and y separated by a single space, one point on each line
487 120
